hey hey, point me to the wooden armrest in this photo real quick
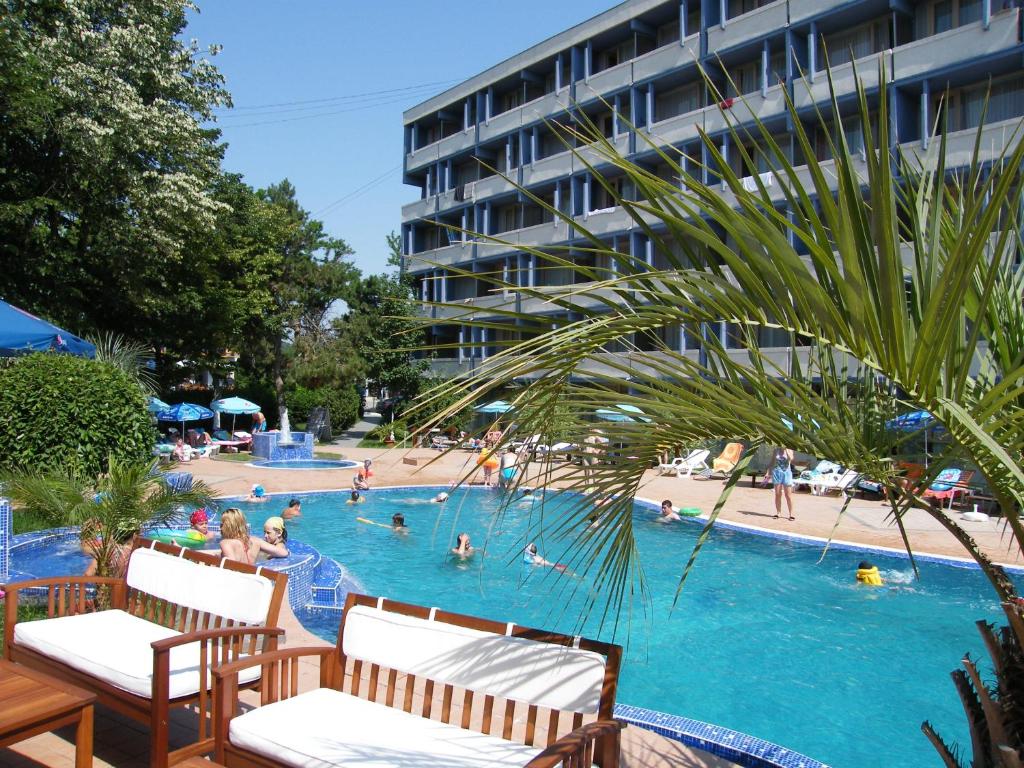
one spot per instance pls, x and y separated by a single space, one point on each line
596 742
232 669
213 634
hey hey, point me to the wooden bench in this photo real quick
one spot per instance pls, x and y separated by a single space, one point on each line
146 642
411 686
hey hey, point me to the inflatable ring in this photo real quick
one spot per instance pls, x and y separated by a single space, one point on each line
689 511
190 539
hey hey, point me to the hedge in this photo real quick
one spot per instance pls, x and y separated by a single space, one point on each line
64 411
342 403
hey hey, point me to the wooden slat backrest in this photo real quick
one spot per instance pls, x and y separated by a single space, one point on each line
523 721
184 619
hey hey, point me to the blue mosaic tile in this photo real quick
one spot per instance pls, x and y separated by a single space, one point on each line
267 446
6 514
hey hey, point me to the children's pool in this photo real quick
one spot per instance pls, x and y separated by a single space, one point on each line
307 464
764 639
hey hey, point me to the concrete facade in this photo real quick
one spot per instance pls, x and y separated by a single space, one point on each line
641 60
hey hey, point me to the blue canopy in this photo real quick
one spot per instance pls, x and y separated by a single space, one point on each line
621 412
185 412
911 422
234 405
498 406
156 405
21 333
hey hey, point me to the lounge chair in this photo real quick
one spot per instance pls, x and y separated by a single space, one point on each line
825 470
836 481
947 485
726 461
686 466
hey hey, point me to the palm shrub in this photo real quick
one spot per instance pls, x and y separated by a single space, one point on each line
894 280
109 509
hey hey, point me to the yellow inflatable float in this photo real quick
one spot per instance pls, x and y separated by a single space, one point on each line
868 574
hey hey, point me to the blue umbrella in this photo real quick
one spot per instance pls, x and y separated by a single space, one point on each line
621 412
21 333
185 412
156 405
234 406
915 421
498 406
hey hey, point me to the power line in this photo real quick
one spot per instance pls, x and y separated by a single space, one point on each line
359 191
363 101
346 96
319 114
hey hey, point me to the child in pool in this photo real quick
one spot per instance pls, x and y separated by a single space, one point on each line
258 494
199 521
356 498
398 523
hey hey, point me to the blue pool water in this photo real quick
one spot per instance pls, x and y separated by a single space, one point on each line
308 464
764 640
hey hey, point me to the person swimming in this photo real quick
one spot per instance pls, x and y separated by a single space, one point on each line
398 523
532 557
258 494
868 574
441 498
462 546
356 498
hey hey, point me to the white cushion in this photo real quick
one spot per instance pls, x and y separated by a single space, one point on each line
114 646
545 674
243 597
324 727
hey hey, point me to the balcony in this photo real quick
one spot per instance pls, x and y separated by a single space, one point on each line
530 112
745 108
446 147
756 25
680 128
666 59
419 209
424 261
606 82
805 10
606 222
995 139
491 186
549 169
844 81
529 237
596 157
960 44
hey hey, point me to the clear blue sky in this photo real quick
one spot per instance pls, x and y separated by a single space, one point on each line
344 153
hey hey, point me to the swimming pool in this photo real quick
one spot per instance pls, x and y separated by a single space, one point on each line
307 464
763 639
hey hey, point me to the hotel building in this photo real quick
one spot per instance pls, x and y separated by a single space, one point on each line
641 59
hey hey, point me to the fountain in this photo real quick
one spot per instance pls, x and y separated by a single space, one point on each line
283 445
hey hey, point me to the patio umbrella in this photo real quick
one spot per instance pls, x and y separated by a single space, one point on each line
234 406
156 405
185 412
497 406
21 333
914 421
621 412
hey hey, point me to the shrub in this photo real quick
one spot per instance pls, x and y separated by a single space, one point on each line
342 403
63 411
380 433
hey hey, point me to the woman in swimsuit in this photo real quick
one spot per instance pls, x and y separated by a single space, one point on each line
781 470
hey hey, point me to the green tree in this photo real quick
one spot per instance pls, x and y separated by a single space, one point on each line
308 273
892 278
107 166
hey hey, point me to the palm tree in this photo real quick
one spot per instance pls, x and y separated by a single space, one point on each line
894 280
128 356
109 509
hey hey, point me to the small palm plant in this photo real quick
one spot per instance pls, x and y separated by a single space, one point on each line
109 509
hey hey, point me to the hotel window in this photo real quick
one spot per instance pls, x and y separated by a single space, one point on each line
964 107
612 57
943 15
739 7
861 41
853 128
678 101
668 33
745 79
